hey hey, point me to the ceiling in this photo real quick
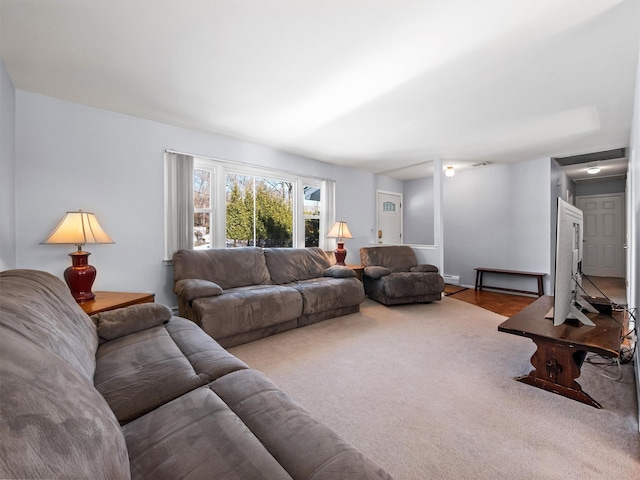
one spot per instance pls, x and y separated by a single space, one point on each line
380 85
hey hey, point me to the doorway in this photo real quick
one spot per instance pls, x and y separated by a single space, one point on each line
389 217
604 233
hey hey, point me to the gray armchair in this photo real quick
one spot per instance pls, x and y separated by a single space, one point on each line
393 276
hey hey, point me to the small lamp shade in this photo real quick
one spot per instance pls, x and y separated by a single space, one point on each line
340 231
79 228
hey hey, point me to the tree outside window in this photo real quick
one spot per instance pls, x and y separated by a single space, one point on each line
259 211
202 208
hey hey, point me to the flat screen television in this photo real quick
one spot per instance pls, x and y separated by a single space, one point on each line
568 302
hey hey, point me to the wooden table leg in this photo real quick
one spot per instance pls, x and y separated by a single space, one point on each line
555 368
478 280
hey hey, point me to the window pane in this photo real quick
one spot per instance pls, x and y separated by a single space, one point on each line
201 188
259 211
201 230
311 216
312 232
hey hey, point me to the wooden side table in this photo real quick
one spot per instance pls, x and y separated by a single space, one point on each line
106 301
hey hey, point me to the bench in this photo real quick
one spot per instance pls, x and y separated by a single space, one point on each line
480 271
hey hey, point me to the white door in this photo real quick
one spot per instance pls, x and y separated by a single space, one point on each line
603 252
389 208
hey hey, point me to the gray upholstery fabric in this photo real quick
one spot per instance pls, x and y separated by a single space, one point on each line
228 267
146 369
288 265
303 446
339 271
123 321
376 272
54 423
397 258
247 308
197 437
325 293
234 315
39 306
424 268
392 276
191 288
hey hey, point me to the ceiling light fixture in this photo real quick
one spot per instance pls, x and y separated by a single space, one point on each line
593 170
449 171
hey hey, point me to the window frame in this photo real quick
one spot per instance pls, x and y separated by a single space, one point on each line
219 170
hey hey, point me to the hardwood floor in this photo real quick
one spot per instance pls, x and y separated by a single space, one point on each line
500 303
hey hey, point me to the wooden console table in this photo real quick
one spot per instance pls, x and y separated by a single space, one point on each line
480 271
562 349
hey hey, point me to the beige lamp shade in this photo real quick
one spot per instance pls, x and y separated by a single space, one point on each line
78 228
340 230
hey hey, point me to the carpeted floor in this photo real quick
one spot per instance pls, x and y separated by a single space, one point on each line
427 391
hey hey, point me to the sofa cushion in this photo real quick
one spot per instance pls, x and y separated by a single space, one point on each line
326 293
39 306
288 265
339 271
53 422
143 370
197 437
229 268
123 321
302 445
397 258
410 284
245 309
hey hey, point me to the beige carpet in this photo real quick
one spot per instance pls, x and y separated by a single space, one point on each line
427 391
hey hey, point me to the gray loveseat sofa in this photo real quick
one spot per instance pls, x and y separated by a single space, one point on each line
241 294
137 393
393 276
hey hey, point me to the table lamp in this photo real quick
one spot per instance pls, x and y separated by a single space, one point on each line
79 228
340 231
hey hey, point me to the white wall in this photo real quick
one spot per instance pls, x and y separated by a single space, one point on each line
70 157
7 171
498 216
418 211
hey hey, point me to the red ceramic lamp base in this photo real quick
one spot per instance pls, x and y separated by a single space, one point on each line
340 254
80 276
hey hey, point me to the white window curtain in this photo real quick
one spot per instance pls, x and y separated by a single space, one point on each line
178 203
328 214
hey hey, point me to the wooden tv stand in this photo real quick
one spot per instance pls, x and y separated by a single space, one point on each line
562 349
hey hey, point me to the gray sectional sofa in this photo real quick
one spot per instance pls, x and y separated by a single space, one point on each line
241 294
138 393
393 276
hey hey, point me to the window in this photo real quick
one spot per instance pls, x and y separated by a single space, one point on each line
237 205
202 208
259 211
311 215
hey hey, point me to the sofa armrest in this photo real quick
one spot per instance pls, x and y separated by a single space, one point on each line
376 271
123 321
424 268
192 288
339 271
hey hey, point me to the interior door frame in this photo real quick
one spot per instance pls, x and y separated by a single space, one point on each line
386 192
